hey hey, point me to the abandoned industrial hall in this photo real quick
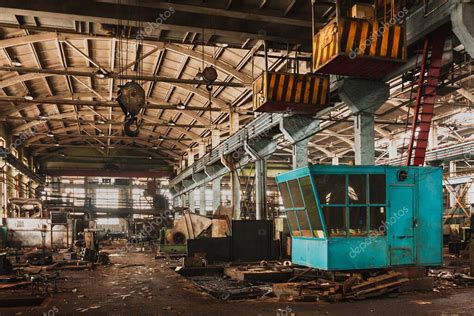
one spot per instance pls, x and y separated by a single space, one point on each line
236 157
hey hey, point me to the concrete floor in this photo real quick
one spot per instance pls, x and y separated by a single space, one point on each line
154 289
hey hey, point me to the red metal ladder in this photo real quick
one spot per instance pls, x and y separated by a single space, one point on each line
425 97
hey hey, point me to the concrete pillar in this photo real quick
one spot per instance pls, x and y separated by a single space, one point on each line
216 194
452 173
452 168
192 207
364 134
298 130
299 156
259 151
215 138
364 97
216 183
202 200
462 19
261 211
335 161
433 137
392 150
235 193
184 199
202 189
233 122
471 256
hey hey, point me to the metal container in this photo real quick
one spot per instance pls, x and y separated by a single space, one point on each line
286 92
359 48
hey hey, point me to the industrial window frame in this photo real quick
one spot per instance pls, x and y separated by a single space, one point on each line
349 204
294 214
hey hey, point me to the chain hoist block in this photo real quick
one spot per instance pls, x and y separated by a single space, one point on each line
131 98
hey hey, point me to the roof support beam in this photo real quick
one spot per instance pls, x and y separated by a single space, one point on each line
134 76
151 104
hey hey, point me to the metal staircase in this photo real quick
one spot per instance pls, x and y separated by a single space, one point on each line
425 97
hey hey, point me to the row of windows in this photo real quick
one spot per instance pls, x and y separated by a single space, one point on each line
353 188
352 205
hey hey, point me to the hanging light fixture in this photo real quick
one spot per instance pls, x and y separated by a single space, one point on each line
16 62
181 105
199 75
101 73
451 99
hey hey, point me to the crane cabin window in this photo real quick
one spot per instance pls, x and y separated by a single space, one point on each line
311 207
295 194
335 219
357 189
377 191
331 188
285 195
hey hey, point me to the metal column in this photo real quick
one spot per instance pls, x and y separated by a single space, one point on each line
202 189
261 189
191 193
259 151
364 97
298 130
216 183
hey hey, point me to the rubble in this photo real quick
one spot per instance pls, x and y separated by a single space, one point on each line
229 289
352 288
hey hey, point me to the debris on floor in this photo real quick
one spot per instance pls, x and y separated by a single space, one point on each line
352 288
262 273
229 289
447 279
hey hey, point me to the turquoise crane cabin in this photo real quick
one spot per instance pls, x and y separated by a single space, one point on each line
364 217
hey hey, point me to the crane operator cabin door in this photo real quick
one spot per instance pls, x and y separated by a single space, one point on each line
400 225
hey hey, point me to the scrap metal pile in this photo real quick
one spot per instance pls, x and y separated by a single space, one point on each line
446 279
229 289
287 283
